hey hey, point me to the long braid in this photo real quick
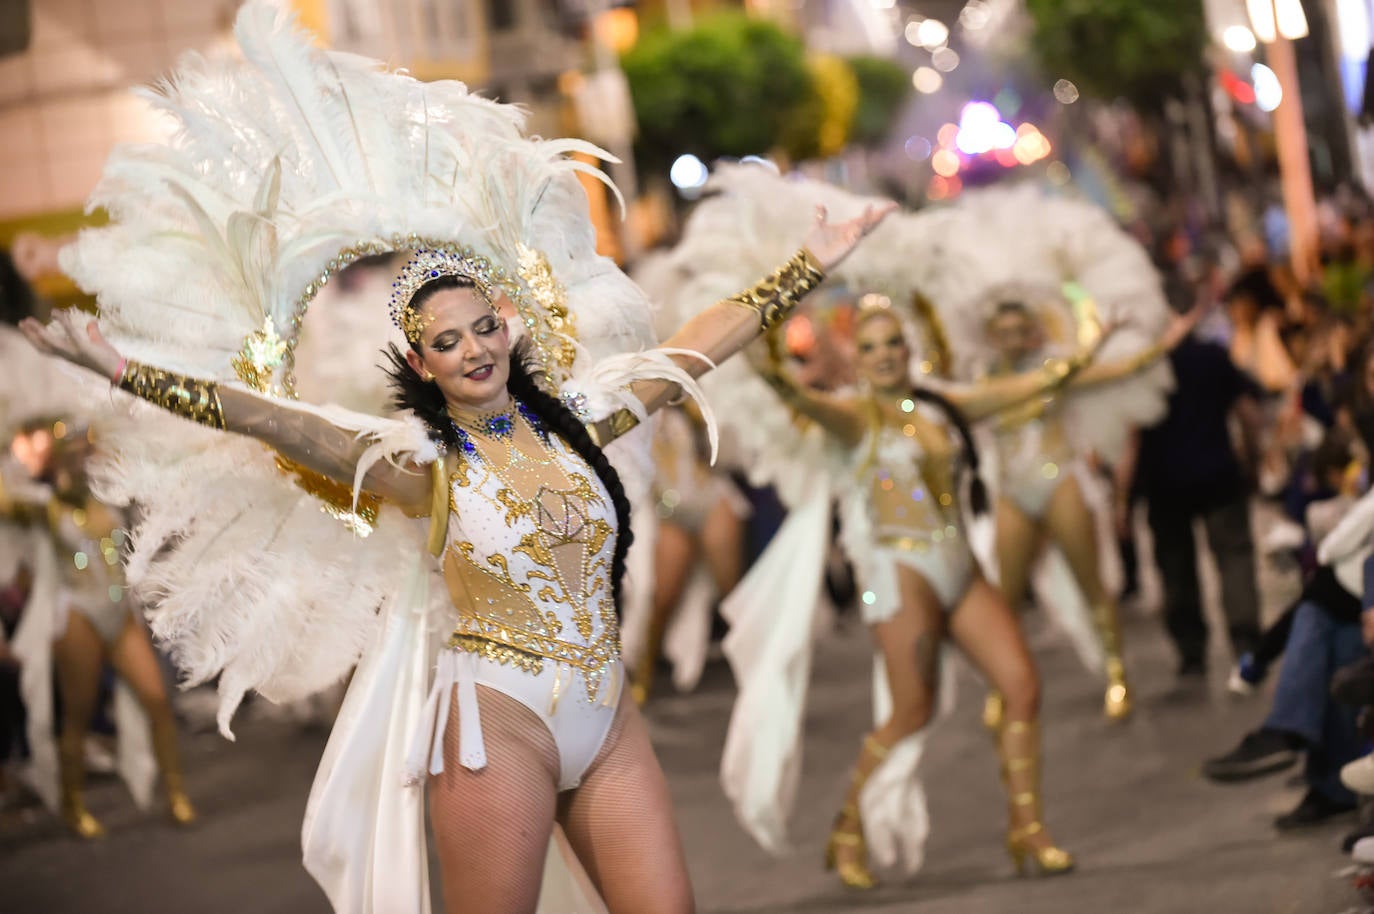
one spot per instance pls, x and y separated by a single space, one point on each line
977 490
560 420
424 399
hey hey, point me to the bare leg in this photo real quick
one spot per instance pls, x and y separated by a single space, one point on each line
910 646
722 545
1018 541
987 631
492 827
1070 525
134 660
78 655
620 824
674 553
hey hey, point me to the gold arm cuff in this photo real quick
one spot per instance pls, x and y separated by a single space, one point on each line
438 506
776 296
1147 357
190 398
1058 372
612 427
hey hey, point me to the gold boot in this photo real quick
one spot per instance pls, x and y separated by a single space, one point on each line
168 757
1028 843
72 764
1116 702
848 831
994 711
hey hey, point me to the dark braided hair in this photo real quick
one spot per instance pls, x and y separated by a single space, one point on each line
977 490
410 392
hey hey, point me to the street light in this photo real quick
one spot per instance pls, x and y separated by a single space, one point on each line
1277 23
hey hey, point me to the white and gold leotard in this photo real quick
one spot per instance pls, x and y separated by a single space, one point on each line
531 534
904 510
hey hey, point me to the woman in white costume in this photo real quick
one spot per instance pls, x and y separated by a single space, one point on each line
79 614
698 549
525 725
1008 299
895 455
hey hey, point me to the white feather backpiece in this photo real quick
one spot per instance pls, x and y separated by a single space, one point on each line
754 221
1020 242
287 166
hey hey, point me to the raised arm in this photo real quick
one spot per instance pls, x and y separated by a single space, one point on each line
728 326
1120 369
998 394
300 436
840 417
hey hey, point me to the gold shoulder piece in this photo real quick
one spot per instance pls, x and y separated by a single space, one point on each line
438 506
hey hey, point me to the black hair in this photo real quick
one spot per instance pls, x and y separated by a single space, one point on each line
17 298
410 392
977 490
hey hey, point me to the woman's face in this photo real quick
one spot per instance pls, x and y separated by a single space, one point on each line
1014 335
883 354
466 347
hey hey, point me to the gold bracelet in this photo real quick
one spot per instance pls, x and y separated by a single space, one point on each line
776 296
189 398
1058 372
612 427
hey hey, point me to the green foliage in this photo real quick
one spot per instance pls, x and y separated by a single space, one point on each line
726 87
883 88
1136 49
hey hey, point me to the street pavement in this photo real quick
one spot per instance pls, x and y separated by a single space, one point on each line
1151 835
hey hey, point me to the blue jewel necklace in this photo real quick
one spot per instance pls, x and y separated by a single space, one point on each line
495 424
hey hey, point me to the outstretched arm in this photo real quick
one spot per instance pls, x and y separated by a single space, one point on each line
1119 369
297 435
994 395
839 416
728 326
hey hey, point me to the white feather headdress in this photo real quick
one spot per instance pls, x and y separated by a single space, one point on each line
287 166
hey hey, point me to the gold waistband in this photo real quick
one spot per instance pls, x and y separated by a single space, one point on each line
528 650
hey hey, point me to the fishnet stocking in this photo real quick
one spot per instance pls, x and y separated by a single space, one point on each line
492 827
620 824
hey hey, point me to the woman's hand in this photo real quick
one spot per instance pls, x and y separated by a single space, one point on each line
65 338
1184 324
831 243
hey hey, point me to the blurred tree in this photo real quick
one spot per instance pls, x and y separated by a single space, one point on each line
883 87
726 87
1141 51
820 125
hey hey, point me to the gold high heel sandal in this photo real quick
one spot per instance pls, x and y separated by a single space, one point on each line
1019 748
1116 702
72 765
853 873
169 761
848 830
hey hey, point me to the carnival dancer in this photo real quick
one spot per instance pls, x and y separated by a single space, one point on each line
1006 300
897 455
698 542
79 613
290 165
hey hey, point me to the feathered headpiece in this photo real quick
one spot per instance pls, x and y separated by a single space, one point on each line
289 165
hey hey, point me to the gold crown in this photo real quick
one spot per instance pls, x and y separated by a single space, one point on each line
427 265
